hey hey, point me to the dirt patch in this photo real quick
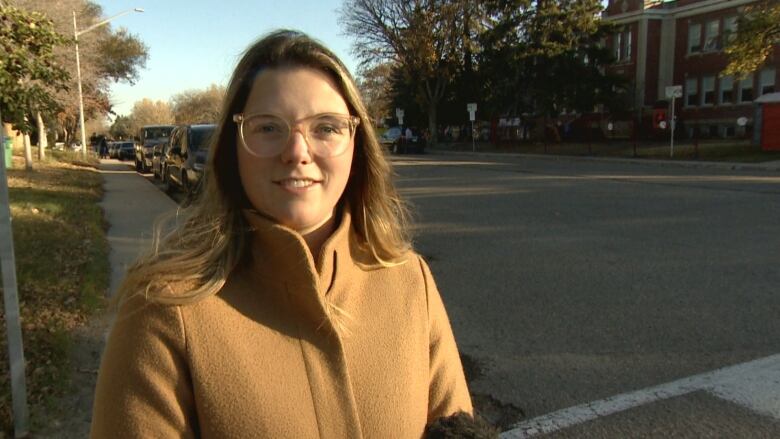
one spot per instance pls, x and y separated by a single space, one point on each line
70 415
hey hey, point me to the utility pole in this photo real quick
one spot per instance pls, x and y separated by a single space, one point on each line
11 303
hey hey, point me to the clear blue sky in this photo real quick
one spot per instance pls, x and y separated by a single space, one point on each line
195 43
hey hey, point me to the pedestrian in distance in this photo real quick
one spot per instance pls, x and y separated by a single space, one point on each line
287 301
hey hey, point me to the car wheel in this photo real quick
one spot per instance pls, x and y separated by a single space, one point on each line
167 187
138 166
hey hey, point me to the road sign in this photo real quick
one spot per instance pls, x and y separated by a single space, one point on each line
674 91
471 107
742 121
399 113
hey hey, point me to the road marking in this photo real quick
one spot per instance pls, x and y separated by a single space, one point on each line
755 385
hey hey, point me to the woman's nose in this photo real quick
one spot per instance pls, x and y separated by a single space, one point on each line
297 149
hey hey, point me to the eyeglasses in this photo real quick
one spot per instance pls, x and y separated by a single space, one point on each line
266 135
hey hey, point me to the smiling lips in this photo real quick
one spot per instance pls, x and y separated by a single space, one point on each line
296 183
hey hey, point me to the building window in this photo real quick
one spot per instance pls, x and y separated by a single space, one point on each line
729 28
616 43
767 81
708 90
746 89
627 46
726 90
694 38
691 92
712 36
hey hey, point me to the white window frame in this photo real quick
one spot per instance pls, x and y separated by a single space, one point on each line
691 84
725 83
617 40
767 79
694 42
708 85
711 39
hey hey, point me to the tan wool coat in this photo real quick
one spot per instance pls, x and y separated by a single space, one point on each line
286 349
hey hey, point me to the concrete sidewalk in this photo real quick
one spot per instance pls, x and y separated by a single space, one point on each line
131 204
773 166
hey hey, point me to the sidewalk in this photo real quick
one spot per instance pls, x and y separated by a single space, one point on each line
773 166
130 204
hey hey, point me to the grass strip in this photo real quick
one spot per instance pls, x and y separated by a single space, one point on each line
62 268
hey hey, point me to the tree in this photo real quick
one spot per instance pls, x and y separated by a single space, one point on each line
758 31
529 48
106 55
148 112
28 69
122 128
423 37
28 65
374 85
198 106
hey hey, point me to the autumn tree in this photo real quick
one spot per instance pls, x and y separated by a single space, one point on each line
107 55
198 106
122 128
758 31
148 112
424 38
374 83
28 68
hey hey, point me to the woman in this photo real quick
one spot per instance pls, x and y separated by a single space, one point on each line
287 303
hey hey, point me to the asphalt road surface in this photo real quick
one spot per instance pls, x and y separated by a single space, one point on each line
602 299
586 294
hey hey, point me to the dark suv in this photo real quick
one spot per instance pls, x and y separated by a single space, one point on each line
187 156
148 137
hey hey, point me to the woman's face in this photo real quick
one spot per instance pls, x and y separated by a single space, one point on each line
295 187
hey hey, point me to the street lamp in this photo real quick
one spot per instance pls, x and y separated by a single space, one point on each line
76 34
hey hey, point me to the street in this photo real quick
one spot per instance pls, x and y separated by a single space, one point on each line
573 281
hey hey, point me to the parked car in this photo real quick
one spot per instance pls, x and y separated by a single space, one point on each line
400 144
113 150
187 154
125 150
159 158
148 137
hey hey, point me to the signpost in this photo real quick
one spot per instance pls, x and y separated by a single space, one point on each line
673 91
11 303
472 109
399 113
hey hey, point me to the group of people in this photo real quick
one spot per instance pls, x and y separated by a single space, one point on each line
287 301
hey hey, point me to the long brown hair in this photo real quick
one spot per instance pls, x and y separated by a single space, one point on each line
192 255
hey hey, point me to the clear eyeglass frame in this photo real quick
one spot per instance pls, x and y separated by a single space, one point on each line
316 146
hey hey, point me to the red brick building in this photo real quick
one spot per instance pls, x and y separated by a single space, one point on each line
665 43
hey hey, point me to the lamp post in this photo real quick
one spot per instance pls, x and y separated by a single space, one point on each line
76 34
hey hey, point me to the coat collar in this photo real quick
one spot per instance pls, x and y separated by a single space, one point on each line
280 254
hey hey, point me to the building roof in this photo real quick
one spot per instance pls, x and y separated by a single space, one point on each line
768 98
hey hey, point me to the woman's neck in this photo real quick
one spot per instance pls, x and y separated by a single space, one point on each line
316 237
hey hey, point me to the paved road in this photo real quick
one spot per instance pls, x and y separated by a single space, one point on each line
574 281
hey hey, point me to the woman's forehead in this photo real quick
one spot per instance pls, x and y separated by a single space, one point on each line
296 91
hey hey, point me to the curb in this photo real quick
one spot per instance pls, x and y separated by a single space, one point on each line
773 166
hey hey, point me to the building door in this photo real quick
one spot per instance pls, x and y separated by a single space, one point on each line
770 127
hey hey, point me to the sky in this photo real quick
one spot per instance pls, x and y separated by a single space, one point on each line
193 44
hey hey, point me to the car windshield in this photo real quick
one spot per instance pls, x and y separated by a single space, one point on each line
200 138
158 132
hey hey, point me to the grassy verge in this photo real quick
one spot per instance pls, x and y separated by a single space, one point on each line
62 268
740 152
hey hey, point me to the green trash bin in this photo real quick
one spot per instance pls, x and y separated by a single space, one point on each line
8 151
